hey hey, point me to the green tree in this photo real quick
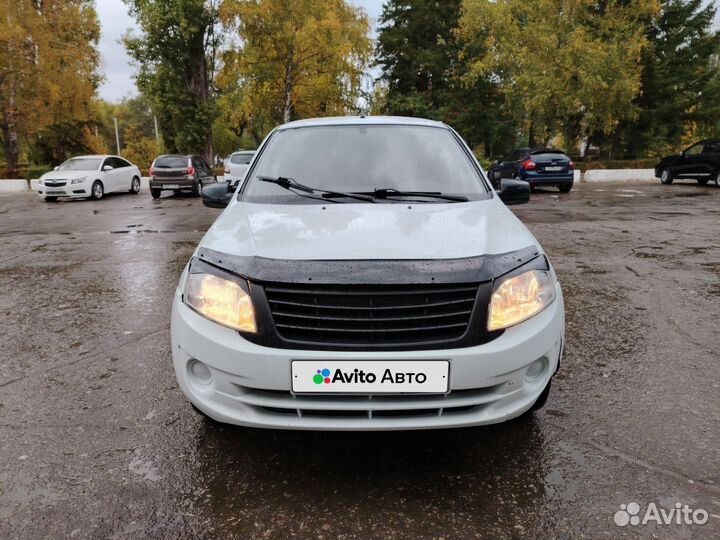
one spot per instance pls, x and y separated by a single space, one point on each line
576 71
417 50
175 57
424 73
294 58
680 98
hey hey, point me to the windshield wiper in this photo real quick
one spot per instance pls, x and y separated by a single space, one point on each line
384 193
291 185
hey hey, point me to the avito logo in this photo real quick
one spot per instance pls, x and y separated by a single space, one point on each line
322 376
361 376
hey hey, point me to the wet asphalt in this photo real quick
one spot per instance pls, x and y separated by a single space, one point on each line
96 440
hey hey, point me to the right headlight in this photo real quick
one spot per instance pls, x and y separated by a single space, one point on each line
519 298
220 300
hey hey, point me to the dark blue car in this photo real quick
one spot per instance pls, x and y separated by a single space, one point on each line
540 168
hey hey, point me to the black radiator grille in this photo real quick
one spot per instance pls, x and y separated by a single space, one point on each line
371 315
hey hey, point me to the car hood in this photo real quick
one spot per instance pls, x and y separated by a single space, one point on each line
66 175
367 231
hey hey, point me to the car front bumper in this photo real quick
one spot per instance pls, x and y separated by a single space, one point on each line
250 384
78 191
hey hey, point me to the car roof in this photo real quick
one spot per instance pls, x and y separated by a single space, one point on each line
362 120
94 156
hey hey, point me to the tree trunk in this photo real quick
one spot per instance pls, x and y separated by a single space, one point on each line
531 136
288 104
9 131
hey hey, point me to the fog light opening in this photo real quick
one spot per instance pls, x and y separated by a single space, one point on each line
536 369
199 372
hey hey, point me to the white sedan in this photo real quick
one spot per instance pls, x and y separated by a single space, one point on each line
90 176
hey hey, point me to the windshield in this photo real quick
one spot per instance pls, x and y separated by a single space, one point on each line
81 164
355 158
241 159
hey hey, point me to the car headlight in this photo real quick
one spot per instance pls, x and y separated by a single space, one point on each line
221 300
78 180
520 297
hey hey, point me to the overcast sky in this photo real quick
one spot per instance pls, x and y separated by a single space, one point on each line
115 22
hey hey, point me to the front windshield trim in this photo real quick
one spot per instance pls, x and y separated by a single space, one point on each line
488 192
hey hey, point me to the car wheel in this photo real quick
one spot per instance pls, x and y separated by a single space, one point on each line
97 190
666 176
135 185
565 188
51 199
717 179
155 193
197 189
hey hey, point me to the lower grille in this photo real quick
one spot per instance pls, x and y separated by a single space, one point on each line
359 316
364 407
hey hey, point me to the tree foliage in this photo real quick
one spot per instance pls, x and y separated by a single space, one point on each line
48 77
292 59
175 57
571 66
680 98
424 73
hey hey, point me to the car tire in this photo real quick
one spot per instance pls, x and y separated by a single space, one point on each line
51 199
717 179
666 176
97 191
135 185
155 193
197 189
565 188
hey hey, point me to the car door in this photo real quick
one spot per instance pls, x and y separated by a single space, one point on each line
108 176
125 174
691 163
711 159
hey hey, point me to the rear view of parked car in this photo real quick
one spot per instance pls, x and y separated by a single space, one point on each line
89 177
179 173
237 165
700 162
540 168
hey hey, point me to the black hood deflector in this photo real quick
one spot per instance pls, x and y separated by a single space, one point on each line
358 272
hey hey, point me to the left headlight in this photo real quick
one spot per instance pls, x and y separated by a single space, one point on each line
78 180
520 297
220 300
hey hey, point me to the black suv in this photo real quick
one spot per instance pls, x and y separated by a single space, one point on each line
543 167
180 173
700 162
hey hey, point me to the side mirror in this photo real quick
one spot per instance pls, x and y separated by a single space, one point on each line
514 191
107 168
217 195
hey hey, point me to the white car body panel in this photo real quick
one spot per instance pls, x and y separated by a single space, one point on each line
366 231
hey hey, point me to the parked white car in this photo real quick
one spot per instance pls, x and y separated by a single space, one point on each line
91 177
367 276
237 165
